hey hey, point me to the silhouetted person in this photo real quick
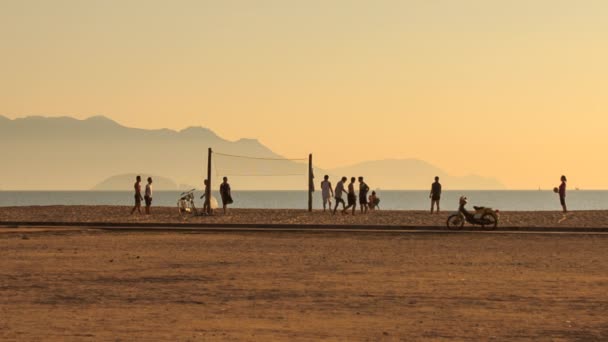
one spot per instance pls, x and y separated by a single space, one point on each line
352 197
373 201
225 193
435 194
148 195
562 194
138 198
326 191
363 190
206 204
338 195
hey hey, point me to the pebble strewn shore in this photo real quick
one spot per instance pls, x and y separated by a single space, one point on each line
121 214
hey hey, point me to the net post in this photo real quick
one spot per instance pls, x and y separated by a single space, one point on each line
208 187
310 183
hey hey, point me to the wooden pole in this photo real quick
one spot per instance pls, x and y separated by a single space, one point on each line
310 182
208 187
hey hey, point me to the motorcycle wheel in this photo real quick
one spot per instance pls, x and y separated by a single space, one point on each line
455 222
490 221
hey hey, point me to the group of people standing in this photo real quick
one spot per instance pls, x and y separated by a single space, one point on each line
372 202
365 203
225 193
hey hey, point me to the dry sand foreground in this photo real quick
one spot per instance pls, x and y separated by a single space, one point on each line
91 285
120 214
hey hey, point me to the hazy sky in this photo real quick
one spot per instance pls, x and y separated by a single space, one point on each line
515 89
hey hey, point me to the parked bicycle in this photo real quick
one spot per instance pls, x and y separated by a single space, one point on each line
185 204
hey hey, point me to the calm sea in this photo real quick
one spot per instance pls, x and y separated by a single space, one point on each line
393 200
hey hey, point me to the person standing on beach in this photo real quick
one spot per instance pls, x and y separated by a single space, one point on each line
138 198
562 194
338 195
435 194
148 195
225 193
206 205
326 192
352 197
363 190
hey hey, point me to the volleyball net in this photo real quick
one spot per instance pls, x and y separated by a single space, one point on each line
260 172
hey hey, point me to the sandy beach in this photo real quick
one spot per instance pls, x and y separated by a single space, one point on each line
89 285
121 214
82 283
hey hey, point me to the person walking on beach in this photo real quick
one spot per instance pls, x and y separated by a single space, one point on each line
206 204
326 192
435 194
148 195
562 194
351 197
138 198
363 190
225 194
338 195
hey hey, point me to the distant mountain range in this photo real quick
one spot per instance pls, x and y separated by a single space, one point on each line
412 174
51 153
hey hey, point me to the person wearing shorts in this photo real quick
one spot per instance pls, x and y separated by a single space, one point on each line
138 198
363 190
326 192
435 194
352 197
338 195
148 195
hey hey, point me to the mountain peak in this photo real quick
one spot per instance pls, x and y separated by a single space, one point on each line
99 118
198 131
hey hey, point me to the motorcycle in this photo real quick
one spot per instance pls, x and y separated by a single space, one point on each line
486 217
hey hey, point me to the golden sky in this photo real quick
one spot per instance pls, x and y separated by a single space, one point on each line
514 89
